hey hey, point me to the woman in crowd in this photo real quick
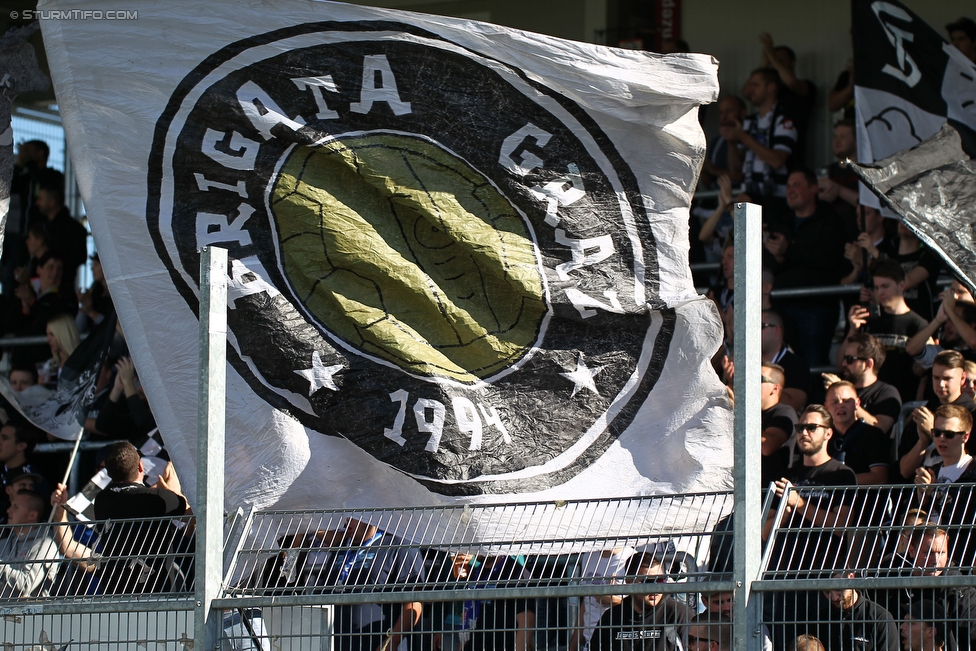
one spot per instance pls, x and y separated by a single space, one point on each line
63 338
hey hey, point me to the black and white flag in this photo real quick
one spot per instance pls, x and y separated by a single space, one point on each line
62 414
908 82
458 252
932 188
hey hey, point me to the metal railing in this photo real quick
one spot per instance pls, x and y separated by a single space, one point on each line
341 579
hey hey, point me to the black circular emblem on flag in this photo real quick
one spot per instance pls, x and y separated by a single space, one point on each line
433 254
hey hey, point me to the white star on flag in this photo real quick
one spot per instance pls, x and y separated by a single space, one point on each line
582 377
320 376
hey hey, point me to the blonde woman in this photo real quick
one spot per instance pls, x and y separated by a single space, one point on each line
62 337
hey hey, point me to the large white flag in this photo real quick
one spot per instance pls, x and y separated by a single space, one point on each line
458 251
909 82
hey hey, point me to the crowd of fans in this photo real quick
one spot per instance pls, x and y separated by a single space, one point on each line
43 250
896 408
891 401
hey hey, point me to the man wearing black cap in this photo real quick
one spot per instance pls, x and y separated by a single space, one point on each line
925 628
25 481
962 33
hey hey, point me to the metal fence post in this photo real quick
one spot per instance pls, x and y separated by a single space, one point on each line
210 445
748 360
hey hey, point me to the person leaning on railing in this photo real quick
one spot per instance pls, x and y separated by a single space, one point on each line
28 554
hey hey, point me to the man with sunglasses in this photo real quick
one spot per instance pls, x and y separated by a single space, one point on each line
809 507
807 546
649 621
955 473
862 358
894 326
916 448
710 632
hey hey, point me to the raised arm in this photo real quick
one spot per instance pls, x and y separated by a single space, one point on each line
76 552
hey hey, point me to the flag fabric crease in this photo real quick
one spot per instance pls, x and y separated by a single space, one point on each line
458 252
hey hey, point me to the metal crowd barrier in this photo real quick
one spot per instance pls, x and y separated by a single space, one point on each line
379 579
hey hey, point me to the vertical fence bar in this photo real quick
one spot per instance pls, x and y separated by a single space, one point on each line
210 445
748 360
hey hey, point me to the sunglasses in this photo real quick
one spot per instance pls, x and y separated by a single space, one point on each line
660 579
806 427
850 359
766 380
768 325
947 433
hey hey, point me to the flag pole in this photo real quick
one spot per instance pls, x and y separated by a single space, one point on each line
67 471
71 461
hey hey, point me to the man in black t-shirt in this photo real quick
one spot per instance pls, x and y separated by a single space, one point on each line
859 446
847 619
810 513
861 355
840 188
893 327
777 424
138 545
643 622
814 256
866 451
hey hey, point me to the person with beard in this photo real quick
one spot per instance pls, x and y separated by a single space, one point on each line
861 357
807 546
811 512
775 351
927 554
847 619
650 621
916 448
958 323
